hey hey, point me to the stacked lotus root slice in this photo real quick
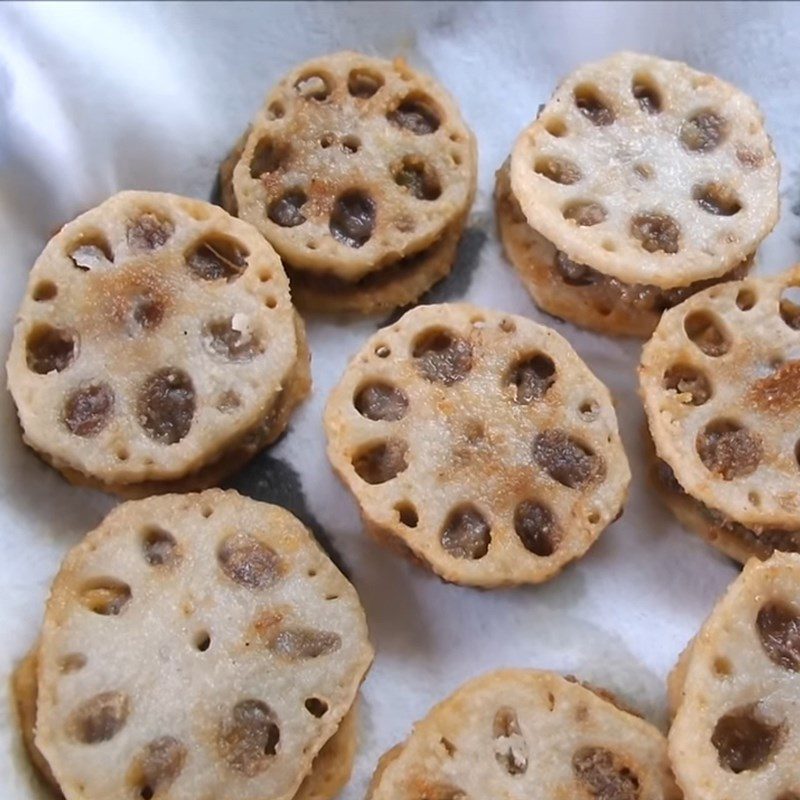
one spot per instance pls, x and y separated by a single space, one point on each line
640 182
360 172
736 728
156 347
522 734
479 443
196 646
720 380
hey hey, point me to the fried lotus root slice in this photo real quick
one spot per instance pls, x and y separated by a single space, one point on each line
614 174
577 292
353 164
720 380
524 733
735 731
157 332
166 592
480 443
330 771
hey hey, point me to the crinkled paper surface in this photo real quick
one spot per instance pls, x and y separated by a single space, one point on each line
98 97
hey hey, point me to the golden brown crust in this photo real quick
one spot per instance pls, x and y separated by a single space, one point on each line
648 171
481 442
516 733
587 298
157 332
349 133
177 577
718 380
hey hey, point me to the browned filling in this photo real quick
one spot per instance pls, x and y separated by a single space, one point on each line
603 291
326 283
762 543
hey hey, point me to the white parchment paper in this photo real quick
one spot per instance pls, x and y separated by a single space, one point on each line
96 98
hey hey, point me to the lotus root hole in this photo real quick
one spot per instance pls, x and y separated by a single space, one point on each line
744 742
286 210
88 410
166 405
722 667
206 512
717 198
644 171
593 105
728 449
202 641
656 232
217 257
249 562
646 92
44 291
353 218
107 597
350 144
790 307
159 547
589 409
49 349
604 774
466 533
92 251
703 132
364 83
418 178
418 114
585 213
442 357
382 351
532 378
231 339
268 157
302 644
316 707
249 737
609 246
689 383
511 749
754 498
100 718
746 299
749 158
556 127
71 662
558 170
275 110
566 460
407 514
537 528
326 140
380 401
778 626
149 231
228 401
707 332
379 463
313 87
157 765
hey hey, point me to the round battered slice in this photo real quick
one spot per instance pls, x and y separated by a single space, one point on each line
721 380
736 732
577 292
648 171
196 645
520 734
480 442
156 336
329 773
353 164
